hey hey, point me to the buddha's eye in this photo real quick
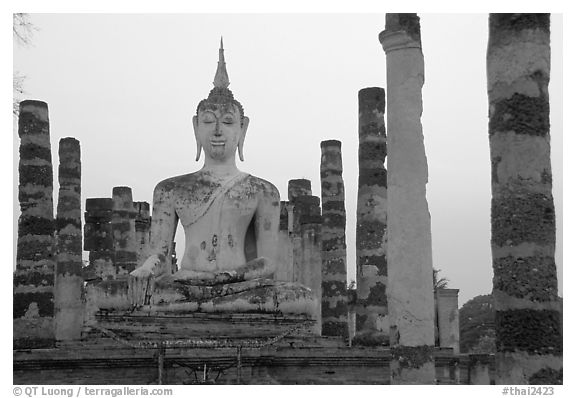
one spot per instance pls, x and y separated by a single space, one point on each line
208 119
228 121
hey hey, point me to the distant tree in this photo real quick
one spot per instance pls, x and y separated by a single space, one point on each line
22 33
441 283
477 332
486 344
22 28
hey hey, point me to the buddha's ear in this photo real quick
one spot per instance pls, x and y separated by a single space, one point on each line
198 143
245 122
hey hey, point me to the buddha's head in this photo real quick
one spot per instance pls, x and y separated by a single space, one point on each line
220 125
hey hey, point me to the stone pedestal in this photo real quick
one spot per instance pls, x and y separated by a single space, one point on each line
69 309
410 296
371 268
525 288
98 238
123 231
448 319
334 297
33 309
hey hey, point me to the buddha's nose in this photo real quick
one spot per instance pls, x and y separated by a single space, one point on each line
217 130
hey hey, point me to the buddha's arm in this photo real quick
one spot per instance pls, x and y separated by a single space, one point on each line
266 228
162 231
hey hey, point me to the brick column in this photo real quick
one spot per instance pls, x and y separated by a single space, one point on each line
123 231
69 282
410 296
285 257
33 309
525 287
299 187
371 270
98 237
334 296
142 225
311 273
306 214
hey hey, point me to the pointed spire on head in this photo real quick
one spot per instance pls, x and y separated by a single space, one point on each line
221 94
221 78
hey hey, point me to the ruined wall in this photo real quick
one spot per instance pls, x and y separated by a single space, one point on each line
334 296
69 282
410 296
371 237
479 369
525 288
33 309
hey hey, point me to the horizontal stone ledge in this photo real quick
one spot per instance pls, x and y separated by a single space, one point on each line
99 204
505 302
525 249
42 265
33 278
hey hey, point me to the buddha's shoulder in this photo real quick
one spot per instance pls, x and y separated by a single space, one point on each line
184 181
262 185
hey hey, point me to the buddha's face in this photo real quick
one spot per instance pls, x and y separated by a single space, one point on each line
219 129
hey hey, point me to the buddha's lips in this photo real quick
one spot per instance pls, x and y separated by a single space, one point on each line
217 143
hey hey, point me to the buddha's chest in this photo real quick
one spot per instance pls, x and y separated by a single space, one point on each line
215 207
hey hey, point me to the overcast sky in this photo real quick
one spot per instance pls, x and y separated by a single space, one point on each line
127 86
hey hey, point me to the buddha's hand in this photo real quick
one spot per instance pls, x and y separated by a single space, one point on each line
149 268
226 277
141 281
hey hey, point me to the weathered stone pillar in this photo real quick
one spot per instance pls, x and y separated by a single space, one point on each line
123 230
142 225
68 316
479 369
311 272
33 309
285 253
98 237
371 271
525 286
410 297
334 296
448 319
299 187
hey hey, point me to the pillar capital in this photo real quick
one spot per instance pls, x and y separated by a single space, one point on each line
397 40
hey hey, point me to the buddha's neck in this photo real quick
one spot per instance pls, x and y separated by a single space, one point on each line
220 169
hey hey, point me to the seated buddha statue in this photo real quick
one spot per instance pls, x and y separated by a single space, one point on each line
230 220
